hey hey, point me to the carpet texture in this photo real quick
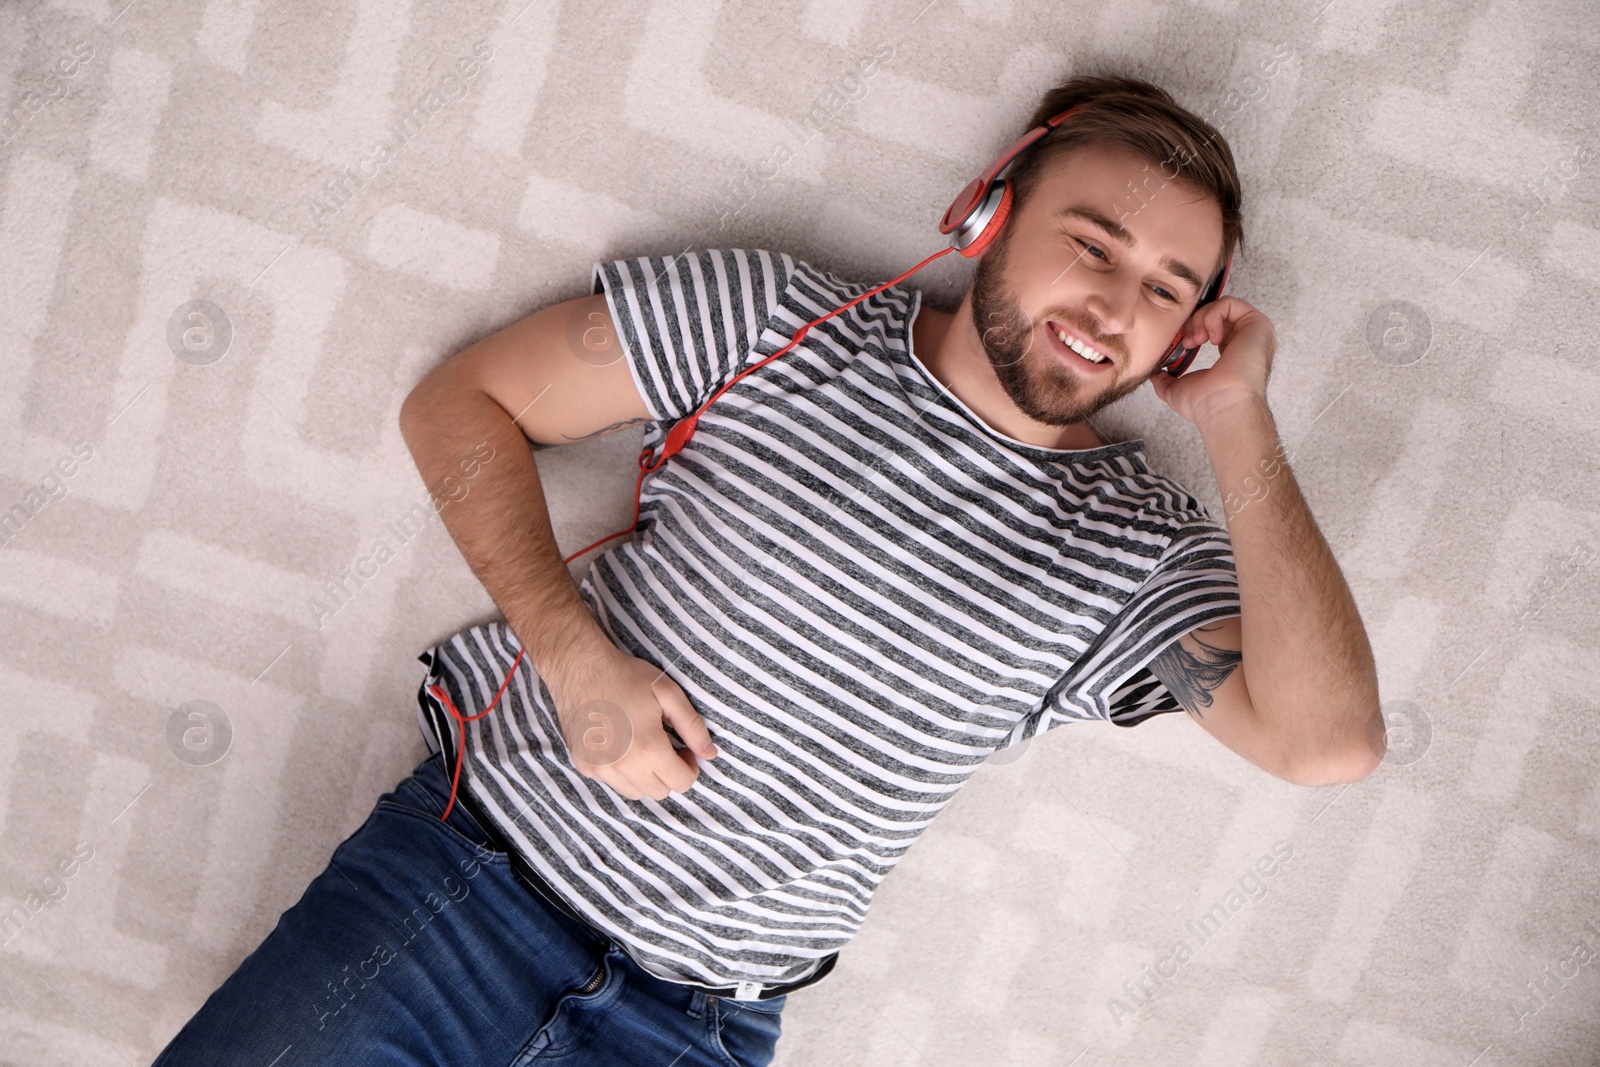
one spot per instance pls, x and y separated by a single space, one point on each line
218 291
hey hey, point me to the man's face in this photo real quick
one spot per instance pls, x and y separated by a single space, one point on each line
1047 267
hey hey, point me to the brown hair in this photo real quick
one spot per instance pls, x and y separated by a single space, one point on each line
1119 110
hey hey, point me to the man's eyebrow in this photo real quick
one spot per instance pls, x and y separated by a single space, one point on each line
1120 233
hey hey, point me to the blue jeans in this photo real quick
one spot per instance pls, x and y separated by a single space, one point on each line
419 946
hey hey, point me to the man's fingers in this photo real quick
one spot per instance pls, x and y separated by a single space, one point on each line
664 769
1210 324
647 784
676 770
680 713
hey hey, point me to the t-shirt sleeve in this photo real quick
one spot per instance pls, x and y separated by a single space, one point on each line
1192 584
691 322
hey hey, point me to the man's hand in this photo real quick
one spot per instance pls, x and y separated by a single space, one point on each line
1246 342
612 708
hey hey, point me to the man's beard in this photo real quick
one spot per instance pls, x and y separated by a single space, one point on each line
1037 382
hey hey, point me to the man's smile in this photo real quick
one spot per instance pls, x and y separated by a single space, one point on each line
1089 349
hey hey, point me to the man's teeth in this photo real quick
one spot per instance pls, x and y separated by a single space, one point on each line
1079 347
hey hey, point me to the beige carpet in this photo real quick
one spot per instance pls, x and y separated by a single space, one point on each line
1429 169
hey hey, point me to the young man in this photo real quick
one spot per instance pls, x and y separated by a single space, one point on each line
885 554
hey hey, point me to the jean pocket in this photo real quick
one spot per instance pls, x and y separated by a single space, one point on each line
744 1034
425 795
482 849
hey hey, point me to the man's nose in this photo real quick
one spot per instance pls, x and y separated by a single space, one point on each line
1110 307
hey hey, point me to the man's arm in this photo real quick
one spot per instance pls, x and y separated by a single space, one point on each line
1311 706
1201 672
557 376
523 385
1306 664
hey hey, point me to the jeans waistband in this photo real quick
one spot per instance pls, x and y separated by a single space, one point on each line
536 882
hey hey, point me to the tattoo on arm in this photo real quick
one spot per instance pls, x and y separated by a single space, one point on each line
1191 678
613 428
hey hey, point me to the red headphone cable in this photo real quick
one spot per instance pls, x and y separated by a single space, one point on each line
676 438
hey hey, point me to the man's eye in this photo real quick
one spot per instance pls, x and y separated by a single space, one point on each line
1164 293
1092 248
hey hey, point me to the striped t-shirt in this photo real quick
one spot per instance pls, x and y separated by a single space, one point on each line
864 590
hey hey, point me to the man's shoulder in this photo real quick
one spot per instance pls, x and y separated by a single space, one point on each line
833 278
1162 499
747 265
720 269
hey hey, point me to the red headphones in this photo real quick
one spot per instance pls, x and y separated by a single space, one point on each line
975 216
978 214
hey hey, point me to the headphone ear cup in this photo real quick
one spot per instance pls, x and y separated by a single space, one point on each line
962 205
992 228
1173 351
1178 358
